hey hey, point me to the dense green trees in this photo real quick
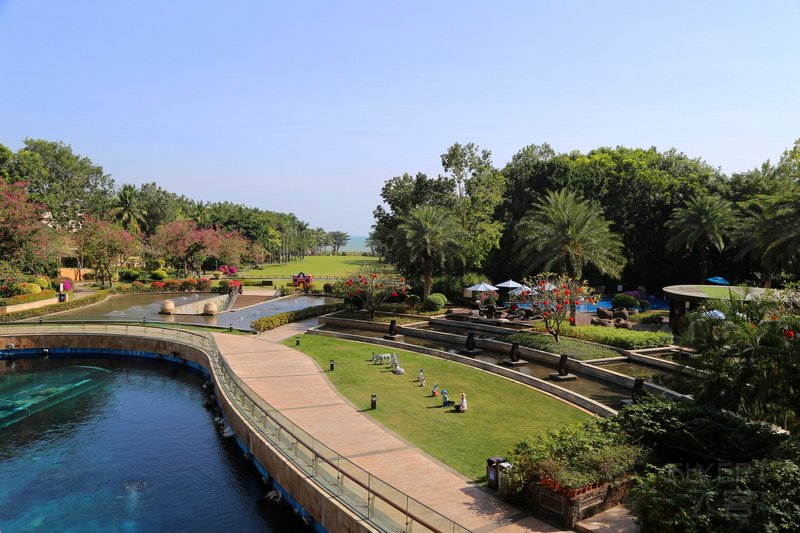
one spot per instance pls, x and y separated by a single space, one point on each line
677 218
48 194
563 233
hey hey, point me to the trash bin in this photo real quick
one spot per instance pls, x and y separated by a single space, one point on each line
501 473
492 471
62 297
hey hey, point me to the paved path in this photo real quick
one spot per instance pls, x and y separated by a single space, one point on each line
293 383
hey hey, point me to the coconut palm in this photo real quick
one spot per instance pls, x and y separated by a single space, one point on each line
702 224
127 210
430 235
564 233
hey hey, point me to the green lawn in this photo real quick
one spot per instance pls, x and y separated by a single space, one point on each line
501 412
319 266
723 292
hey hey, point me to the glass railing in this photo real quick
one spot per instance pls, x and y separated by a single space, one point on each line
383 506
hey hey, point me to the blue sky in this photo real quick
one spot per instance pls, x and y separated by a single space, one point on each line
309 107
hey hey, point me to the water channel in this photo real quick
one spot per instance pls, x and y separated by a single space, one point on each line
122 446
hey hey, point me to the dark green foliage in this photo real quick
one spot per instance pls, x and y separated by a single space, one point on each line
625 300
129 274
436 301
274 321
761 496
708 433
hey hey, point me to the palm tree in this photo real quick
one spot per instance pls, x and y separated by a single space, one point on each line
127 210
703 224
562 232
430 235
779 232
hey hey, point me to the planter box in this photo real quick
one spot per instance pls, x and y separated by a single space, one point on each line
559 508
5 309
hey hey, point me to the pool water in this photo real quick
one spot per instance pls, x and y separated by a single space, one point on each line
139 306
135 452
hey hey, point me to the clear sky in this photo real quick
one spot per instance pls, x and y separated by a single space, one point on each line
308 107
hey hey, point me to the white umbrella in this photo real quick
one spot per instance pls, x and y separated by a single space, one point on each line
519 290
482 287
510 284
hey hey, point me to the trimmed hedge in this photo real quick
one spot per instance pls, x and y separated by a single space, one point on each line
55 308
571 347
271 322
621 338
29 297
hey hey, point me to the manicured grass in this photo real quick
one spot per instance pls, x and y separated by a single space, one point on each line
723 292
319 266
575 349
501 412
384 319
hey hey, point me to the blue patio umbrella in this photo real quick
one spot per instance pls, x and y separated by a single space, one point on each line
719 280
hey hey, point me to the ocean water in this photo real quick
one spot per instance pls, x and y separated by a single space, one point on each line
135 452
357 243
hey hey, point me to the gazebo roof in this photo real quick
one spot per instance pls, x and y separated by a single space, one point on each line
699 293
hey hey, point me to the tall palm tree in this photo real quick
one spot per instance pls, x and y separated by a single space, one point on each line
430 235
702 224
128 210
779 232
562 232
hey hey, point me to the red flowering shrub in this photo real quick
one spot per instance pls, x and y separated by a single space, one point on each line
203 284
158 286
172 285
188 284
555 298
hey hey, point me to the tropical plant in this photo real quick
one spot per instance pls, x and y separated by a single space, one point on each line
703 225
127 210
564 233
431 236
748 349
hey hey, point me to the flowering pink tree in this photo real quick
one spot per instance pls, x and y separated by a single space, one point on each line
106 247
372 288
21 227
555 297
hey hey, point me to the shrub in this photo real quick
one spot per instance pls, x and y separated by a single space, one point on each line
158 286
128 274
644 305
28 297
172 285
158 275
203 284
30 288
42 282
625 300
621 338
188 284
412 301
88 276
571 347
436 301
328 288
649 317
274 321
47 309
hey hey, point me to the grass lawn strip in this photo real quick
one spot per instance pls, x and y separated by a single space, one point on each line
501 412
583 351
318 266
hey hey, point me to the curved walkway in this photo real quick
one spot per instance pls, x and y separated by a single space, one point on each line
294 384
